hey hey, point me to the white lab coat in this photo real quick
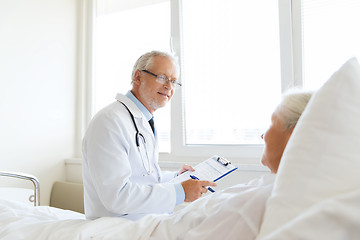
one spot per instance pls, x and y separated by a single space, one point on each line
117 180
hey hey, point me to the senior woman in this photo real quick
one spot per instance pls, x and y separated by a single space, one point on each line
236 212
283 122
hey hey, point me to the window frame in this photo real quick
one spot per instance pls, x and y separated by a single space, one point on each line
291 75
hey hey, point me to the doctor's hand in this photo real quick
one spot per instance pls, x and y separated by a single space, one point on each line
194 188
185 168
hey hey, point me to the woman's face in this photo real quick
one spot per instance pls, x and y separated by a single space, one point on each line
276 138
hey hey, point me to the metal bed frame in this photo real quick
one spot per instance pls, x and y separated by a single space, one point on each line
28 177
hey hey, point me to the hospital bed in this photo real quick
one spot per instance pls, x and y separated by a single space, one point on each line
314 195
21 221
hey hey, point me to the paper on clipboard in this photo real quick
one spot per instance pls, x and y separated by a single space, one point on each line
211 169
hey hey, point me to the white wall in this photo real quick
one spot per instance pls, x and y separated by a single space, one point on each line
38 87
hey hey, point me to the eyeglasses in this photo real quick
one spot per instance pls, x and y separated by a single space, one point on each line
164 79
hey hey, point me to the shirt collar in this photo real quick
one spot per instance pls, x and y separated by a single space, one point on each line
142 108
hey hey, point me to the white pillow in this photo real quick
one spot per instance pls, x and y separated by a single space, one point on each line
320 162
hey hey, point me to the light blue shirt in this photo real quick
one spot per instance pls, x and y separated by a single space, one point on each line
142 108
180 194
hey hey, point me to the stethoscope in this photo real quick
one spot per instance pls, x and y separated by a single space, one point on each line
139 135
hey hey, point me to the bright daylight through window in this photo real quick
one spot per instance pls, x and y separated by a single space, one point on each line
231 69
330 37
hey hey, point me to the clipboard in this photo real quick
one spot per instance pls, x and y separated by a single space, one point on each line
212 169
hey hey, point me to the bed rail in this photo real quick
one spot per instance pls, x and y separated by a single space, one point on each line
28 177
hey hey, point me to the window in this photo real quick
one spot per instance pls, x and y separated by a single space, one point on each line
230 68
330 37
231 55
231 73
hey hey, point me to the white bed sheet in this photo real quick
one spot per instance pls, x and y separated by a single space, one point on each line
233 213
19 221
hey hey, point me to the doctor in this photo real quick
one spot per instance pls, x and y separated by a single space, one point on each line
121 174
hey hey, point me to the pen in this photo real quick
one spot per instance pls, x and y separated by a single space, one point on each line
209 188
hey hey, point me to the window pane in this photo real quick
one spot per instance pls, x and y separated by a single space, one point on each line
231 69
121 37
330 37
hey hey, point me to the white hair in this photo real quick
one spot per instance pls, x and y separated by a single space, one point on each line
292 105
145 62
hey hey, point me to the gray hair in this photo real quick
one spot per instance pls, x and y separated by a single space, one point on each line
292 105
145 62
